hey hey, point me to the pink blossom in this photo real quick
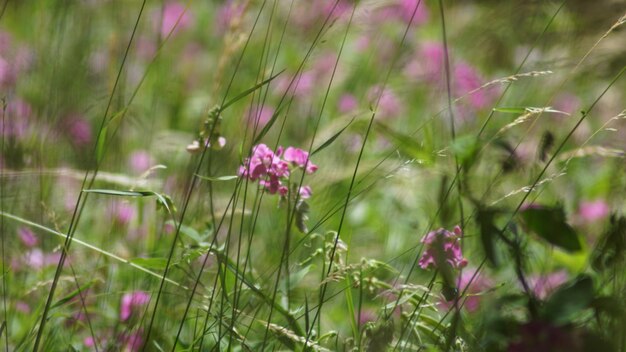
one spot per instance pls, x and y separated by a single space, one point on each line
403 10
132 302
442 246
227 14
28 237
37 259
347 103
301 87
133 342
7 73
122 212
22 307
467 79
567 102
259 115
428 64
305 192
78 129
590 211
299 158
16 120
175 18
543 286
388 103
473 292
140 161
89 342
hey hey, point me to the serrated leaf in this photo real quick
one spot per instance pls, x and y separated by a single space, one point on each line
549 223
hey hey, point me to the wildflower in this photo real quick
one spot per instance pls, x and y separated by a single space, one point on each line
442 246
175 18
122 212
27 236
347 103
590 211
133 341
472 288
468 79
543 286
131 302
299 158
140 161
388 103
78 129
273 172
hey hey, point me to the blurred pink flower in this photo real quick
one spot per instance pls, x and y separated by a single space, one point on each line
132 302
403 10
543 286
388 103
175 18
7 73
37 259
473 292
590 211
428 63
442 246
467 79
78 129
122 212
140 161
259 114
567 102
228 12
16 119
301 87
133 342
305 192
22 307
28 237
347 103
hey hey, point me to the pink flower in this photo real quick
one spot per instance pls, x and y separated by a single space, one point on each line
122 212
428 64
175 18
467 79
227 14
259 115
590 211
78 129
388 103
16 120
133 342
301 87
543 286
403 10
132 302
22 307
37 259
473 292
442 246
140 161
347 103
28 237
305 192
299 158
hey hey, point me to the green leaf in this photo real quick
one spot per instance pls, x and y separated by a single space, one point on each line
407 144
151 263
73 294
248 91
331 139
220 178
549 224
268 125
566 303
466 150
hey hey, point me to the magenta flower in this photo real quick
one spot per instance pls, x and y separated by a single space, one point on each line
473 292
543 286
133 342
78 129
140 161
300 158
272 172
28 237
590 211
175 18
122 212
347 103
132 302
467 79
388 103
443 247
428 65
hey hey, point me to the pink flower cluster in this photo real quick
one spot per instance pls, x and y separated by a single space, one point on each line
131 302
442 246
272 169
